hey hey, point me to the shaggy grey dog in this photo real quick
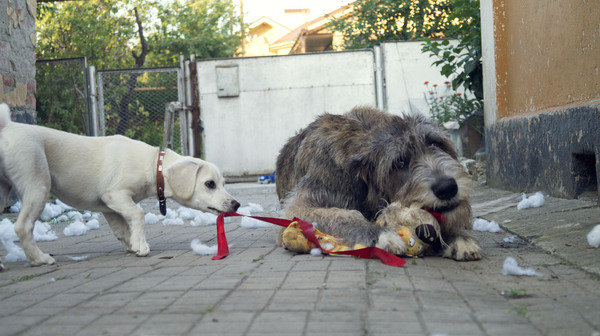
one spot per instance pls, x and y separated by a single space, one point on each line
341 171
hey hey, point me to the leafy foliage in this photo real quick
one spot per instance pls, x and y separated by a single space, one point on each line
461 61
447 105
94 29
206 28
61 101
106 33
374 21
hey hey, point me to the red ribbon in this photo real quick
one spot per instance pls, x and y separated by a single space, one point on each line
307 228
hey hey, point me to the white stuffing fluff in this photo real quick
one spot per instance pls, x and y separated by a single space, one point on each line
7 230
480 224
250 209
173 221
200 248
61 218
76 228
316 252
255 207
327 246
510 267
15 253
42 231
78 258
93 224
244 211
75 216
204 218
593 237
16 207
51 211
63 205
88 215
251 223
187 213
510 239
171 214
151 218
534 201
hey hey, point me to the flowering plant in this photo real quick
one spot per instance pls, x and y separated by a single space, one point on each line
447 105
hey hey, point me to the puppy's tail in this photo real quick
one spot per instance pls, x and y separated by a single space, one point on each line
4 115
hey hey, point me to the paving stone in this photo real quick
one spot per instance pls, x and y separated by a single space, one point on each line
261 289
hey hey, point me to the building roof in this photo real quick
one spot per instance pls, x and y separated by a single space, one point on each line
313 26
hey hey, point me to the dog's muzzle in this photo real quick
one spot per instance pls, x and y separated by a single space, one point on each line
445 188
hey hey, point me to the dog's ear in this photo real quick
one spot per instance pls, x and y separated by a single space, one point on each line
360 167
182 178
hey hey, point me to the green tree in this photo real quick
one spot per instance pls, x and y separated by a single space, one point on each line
115 34
374 21
460 62
98 30
205 28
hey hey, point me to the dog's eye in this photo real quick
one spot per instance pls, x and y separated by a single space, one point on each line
210 184
399 164
435 144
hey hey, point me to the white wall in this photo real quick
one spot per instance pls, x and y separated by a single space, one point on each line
490 108
278 96
406 70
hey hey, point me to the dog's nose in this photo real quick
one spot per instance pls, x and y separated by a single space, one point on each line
235 205
445 188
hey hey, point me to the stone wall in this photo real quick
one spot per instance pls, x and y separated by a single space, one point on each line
17 57
557 152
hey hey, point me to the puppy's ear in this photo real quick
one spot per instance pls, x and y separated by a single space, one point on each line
360 167
182 178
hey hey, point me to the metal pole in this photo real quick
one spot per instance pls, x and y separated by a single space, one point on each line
379 79
196 121
92 94
100 93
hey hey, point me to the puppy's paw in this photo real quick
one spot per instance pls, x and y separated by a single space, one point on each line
463 249
143 250
42 259
392 242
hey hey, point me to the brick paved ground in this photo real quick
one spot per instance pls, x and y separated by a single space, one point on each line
264 290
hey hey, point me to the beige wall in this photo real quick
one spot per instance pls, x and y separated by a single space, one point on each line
547 54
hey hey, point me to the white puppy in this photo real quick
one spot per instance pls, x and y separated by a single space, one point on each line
107 174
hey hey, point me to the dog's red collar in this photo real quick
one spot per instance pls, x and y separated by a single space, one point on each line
160 184
438 215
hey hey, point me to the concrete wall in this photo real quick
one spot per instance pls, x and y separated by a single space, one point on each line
542 95
17 57
406 70
277 97
266 100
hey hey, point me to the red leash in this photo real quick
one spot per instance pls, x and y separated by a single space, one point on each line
307 228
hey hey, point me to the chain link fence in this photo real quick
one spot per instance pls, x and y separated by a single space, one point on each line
134 103
62 95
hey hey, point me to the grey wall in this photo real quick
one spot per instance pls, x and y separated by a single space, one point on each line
17 57
557 152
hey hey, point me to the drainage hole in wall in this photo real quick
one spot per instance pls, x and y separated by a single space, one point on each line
584 174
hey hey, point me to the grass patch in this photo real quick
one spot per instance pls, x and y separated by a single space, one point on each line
516 294
27 277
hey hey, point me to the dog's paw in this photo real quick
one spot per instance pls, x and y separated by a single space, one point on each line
463 249
392 242
143 250
42 259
